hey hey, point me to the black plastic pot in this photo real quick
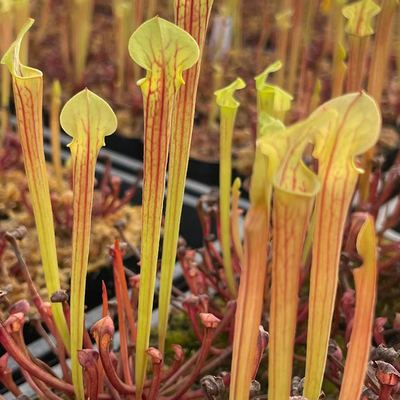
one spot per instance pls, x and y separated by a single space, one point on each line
198 170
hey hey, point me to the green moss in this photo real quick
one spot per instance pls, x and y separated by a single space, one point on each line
179 332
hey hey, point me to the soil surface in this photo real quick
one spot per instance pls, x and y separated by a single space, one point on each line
15 210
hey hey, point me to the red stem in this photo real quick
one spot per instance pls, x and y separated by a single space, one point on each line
7 380
62 355
102 332
119 268
87 342
385 392
33 385
104 297
179 359
40 388
227 318
105 178
122 331
191 310
88 359
116 187
37 300
15 352
158 363
204 350
180 371
104 313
